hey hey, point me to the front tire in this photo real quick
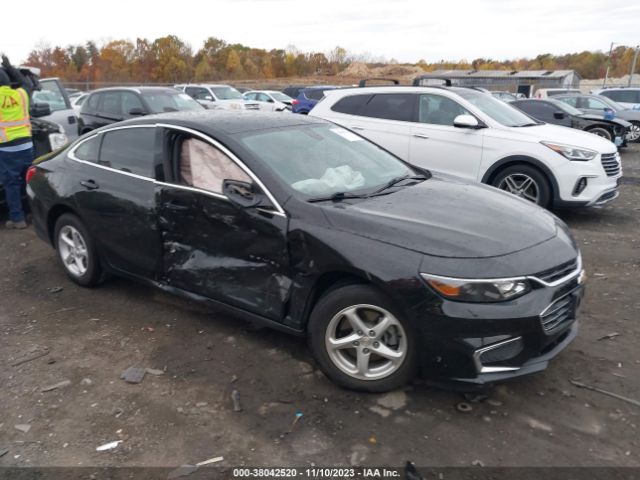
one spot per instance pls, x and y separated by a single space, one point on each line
634 132
526 182
361 340
76 251
601 132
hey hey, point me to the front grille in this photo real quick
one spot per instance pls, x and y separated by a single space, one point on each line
556 273
558 312
611 164
503 352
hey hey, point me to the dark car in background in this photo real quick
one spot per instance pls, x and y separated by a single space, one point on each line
293 90
559 113
109 105
601 105
308 97
302 225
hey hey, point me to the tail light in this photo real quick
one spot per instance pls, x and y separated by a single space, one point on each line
295 102
30 172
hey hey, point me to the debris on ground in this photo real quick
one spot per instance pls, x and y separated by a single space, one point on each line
32 354
475 397
464 407
86 381
605 392
182 471
133 374
234 379
393 400
383 412
23 427
235 397
210 461
477 463
155 371
609 336
55 289
538 425
108 446
3 452
296 419
147 329
62 384
373 440
63 310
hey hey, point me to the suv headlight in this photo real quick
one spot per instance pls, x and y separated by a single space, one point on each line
476 290
571 153
58 140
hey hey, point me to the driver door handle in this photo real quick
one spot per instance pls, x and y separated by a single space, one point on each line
421 135
353 127
89 184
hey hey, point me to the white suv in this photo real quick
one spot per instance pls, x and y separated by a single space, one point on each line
465 132
217 97
626 96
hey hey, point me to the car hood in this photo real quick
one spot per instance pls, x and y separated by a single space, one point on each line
600 118
564 135
446 217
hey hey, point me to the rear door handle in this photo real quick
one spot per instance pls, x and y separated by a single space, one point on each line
421 135
177 206
353 127
89 184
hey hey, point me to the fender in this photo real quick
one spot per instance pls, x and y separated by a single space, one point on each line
523 159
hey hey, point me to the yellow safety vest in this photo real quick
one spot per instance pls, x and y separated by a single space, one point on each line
14 114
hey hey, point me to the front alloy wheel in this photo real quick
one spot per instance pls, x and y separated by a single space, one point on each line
361 341
521 185
76 251
526 182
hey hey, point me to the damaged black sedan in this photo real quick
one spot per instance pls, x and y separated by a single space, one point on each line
389 270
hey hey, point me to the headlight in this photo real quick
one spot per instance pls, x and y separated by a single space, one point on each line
57 140
571 153
478 291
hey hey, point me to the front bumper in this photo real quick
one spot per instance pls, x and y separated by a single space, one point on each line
484 343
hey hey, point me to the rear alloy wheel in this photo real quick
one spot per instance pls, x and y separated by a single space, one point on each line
76 251
601 132
525 182
634 133
360 342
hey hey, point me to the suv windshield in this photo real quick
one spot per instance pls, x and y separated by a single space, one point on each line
226 93
322 160
161 101
498 110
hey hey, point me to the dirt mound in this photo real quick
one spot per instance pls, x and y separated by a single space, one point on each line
361 70
356 69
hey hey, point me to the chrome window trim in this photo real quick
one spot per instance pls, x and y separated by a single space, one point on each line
555 283
478 353
279 210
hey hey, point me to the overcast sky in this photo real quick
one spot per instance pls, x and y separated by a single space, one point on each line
407 30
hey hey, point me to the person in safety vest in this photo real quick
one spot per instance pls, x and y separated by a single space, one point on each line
16 146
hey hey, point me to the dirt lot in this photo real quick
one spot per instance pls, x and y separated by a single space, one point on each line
186 415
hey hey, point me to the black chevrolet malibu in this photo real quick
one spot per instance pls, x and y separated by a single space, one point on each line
297 223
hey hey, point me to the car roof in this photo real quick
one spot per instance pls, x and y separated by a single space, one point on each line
139 89
220 122
207 85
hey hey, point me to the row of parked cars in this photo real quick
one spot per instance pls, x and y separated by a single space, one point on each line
371 225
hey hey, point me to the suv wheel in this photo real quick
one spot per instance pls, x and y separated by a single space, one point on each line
601 132
361 341
76 251
526 182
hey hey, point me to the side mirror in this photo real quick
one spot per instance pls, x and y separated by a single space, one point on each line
558 115
270 100
40 110
465 121
243 194
136 111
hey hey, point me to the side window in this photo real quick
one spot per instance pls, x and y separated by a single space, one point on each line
351 105
263 98
94 101
537 109
573 101
595 104
111 103
130 101
204 166
439 110
250 96
88 150
314 94
391 106
624 96
131 150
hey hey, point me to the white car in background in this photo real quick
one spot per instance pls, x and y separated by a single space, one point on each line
550 92
628 97
217 97
77 101
270 100
467 133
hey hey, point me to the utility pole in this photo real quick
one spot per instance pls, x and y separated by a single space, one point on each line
633 64
606 75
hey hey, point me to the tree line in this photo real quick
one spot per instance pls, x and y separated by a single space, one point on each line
171 60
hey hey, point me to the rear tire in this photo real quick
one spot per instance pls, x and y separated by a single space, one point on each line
361 340
76 251
526 182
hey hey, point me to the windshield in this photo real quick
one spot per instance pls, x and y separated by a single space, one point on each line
498 110
170 101
322 160
565 107
615 106
281 97
226 93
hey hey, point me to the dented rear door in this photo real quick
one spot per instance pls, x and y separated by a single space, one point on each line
216 249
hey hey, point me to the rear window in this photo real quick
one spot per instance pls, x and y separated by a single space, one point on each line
315 94
391 106
88 150
131 150
352 104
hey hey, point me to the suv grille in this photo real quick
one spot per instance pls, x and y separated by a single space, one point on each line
558 312
611 164
556 273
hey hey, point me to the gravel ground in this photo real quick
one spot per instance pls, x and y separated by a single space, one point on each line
186 415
